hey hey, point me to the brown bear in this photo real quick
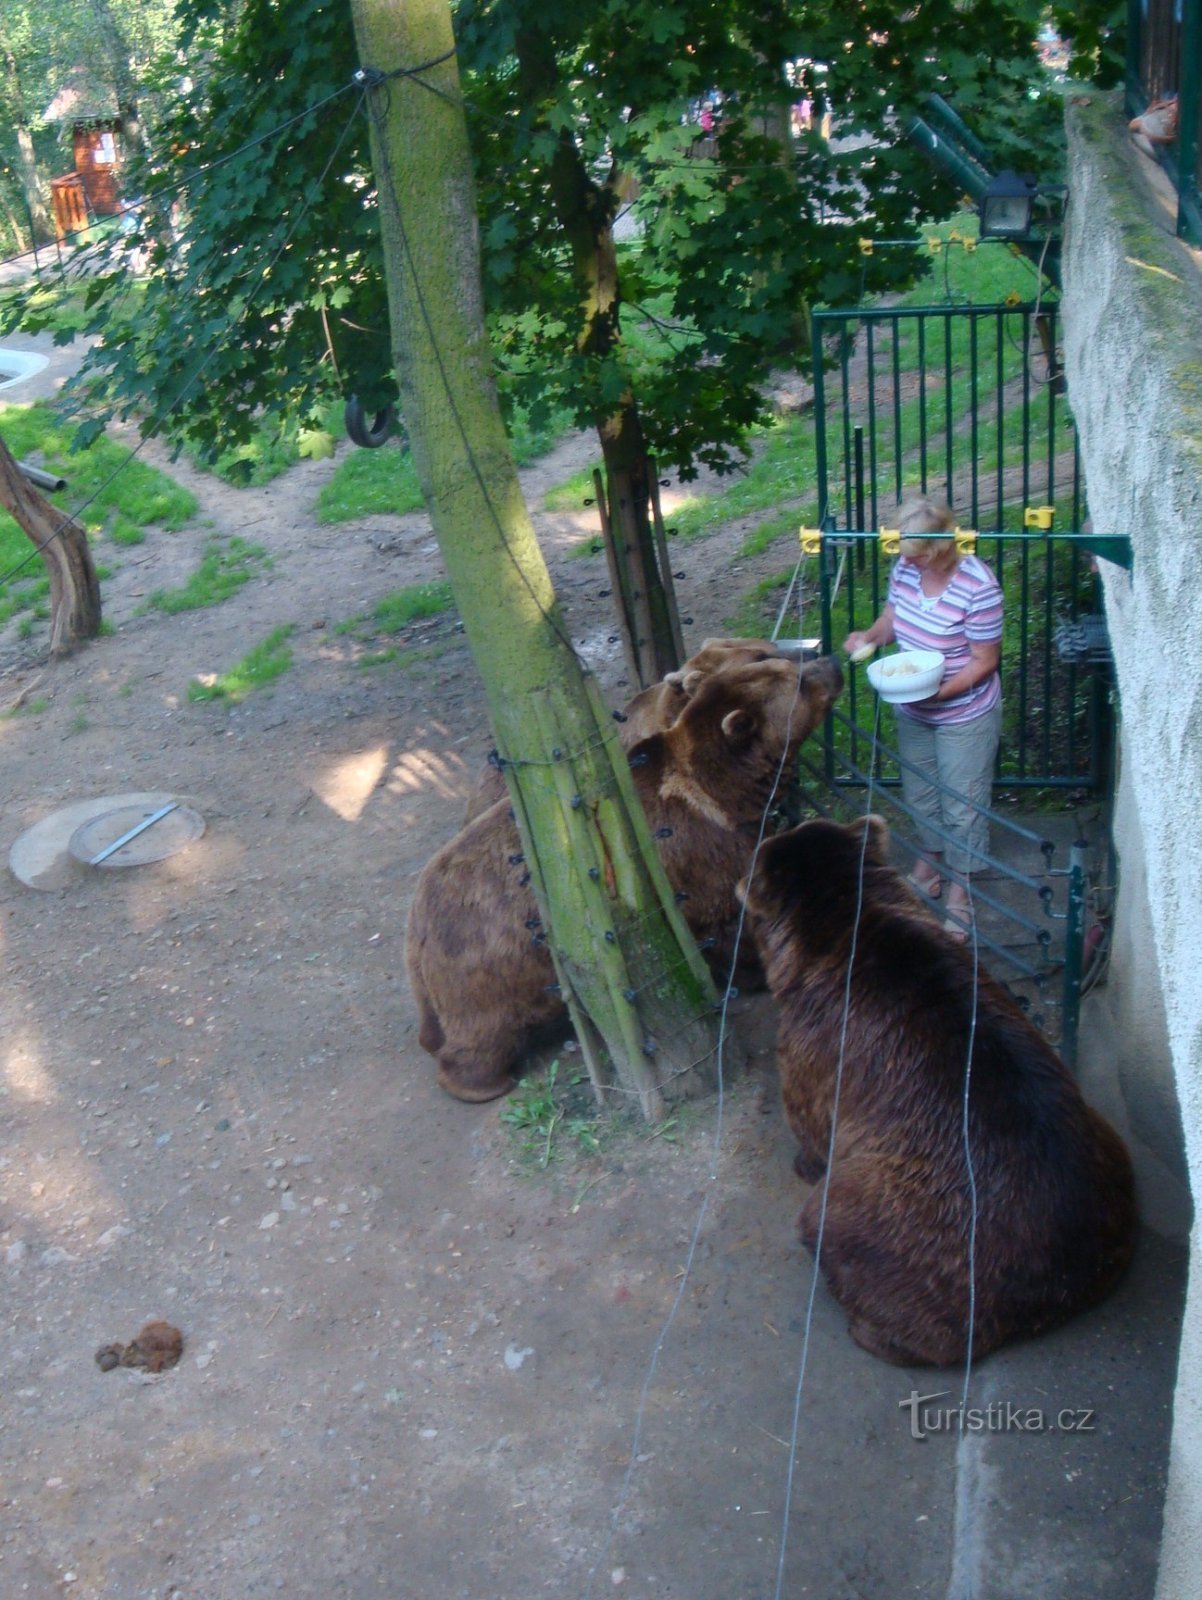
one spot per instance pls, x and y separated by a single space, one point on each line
484 987
651 710
1055 1203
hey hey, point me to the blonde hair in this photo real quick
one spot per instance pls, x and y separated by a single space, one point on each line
924 517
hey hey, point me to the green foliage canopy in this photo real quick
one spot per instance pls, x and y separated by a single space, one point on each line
265 291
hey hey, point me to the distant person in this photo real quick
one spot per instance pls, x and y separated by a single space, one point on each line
941 600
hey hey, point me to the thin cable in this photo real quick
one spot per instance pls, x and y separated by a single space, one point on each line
972 1230
826 1185
715 1151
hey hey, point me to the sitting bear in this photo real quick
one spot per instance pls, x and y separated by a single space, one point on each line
481 984
652 709
1056 1219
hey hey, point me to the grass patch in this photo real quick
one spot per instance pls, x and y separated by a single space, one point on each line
779 478
124 497
371 483
397 610
548 1118
259 667
224 568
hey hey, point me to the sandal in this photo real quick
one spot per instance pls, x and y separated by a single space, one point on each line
929 889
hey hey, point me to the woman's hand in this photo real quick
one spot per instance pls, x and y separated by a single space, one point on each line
983 662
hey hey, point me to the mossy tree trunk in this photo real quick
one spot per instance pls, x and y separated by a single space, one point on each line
634 981
63 545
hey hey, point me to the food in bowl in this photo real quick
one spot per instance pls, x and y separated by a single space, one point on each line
907 676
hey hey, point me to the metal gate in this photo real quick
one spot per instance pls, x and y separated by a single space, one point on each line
967 402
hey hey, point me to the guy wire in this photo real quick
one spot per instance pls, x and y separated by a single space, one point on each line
826 1185
712 1176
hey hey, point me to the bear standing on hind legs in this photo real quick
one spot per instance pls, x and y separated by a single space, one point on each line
481 983
1055 1203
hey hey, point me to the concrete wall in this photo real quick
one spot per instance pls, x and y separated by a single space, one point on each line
1133 354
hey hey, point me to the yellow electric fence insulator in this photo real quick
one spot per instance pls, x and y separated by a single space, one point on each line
865 246
1039 517
890 541
811 541
966 540
1013 299
954 237
969 244
934 243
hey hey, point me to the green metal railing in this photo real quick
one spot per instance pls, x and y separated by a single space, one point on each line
967 403
1057 728
1164 57
1031 895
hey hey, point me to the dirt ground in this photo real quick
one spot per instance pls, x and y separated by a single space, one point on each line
414 1364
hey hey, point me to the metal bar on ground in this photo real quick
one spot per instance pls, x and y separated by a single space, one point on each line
138 828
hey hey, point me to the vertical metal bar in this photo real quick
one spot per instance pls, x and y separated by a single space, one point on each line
859 507
1049 604
1187 116
1000 403
824 588
1134 51
974 509
922 401
845 347
948 470
1074 949
897 428
872 423
1025 620
820 461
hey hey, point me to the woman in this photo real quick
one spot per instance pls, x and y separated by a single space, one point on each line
941 600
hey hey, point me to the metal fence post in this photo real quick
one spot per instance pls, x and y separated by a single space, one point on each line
1074 949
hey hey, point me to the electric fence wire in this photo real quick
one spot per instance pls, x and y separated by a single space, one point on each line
729 993
198 371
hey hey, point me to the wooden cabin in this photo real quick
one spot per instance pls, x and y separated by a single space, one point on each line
93 187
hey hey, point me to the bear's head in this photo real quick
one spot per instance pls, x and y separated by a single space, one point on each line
759 711
807 884
718 655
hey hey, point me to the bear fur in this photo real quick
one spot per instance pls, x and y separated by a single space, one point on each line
651 710
484 986
1056 1218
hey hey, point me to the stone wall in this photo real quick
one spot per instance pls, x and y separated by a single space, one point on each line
1133 354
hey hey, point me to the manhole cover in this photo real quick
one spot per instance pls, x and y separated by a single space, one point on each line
132 836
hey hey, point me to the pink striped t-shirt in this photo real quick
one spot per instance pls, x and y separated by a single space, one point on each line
968 611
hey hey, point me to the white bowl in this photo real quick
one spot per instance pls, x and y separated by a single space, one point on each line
906 676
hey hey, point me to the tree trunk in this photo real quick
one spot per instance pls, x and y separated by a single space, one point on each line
27 172
634 981
585 210
63 546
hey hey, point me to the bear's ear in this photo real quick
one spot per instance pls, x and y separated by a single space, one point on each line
690 681
877 846
738 724
675 678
